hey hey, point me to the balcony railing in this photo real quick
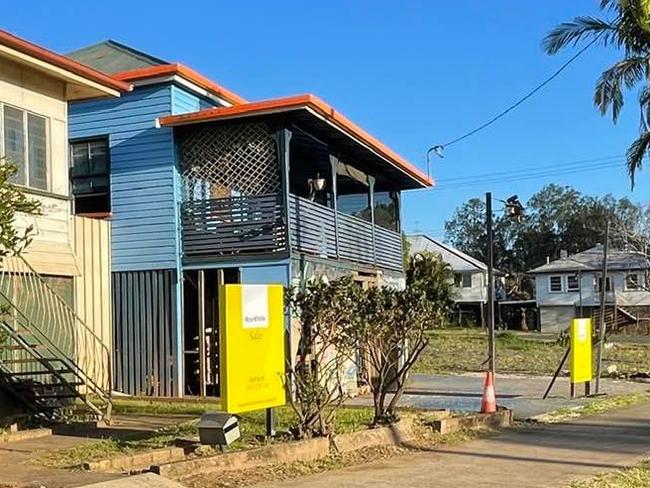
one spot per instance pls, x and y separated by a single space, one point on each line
313 230
247 225
255 226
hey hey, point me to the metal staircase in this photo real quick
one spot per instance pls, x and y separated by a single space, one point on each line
49 358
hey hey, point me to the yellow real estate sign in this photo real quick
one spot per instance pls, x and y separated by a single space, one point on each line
581 356
251 348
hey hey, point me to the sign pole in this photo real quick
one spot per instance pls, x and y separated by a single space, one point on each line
270 422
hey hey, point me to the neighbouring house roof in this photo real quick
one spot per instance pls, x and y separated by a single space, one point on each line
86 80
458 260
322 119
113 57
592 260
182 71
128 64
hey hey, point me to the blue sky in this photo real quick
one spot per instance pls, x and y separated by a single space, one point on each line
413 73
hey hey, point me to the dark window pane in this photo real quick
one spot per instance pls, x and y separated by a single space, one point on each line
37 141
385 210
356 205
467 280
90 176
458 279
14 142
555 283
97 157
80 159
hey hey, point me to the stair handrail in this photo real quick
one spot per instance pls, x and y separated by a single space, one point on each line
38 357
101 369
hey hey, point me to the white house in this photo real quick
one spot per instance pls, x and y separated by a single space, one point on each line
570 287
470 277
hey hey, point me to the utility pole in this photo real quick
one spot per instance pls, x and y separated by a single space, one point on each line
490 290
601 321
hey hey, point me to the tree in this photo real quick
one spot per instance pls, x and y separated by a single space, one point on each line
629 32
428 273
394 328
326 311
12 201
556 218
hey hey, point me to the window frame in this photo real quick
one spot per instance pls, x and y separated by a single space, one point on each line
105 138
550 283
464 280
637 286
577 287
26 163
608 284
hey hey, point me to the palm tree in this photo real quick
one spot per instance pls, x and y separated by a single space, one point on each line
629 32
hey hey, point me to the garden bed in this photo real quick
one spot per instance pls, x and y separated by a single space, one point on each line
129 453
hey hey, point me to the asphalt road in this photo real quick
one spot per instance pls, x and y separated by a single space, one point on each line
521 394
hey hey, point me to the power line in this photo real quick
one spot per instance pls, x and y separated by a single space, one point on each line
530 167
525 97
531 176
535 175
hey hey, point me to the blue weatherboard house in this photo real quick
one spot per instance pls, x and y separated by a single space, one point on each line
203 189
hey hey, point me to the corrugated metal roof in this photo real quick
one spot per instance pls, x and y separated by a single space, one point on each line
113 57
458 260
592 260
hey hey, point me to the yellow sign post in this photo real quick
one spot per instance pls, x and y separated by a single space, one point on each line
252 347
581 361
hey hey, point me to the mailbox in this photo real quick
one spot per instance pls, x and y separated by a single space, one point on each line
218 429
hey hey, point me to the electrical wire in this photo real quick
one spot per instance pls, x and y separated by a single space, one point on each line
525 97
531 176
531 167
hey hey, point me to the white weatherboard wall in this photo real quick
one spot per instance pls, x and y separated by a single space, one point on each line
93 286
590 297
476 293
23 88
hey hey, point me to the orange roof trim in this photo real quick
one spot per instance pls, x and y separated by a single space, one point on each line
297 102
185 72
63 62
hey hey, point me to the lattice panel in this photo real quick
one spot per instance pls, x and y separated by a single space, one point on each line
218 162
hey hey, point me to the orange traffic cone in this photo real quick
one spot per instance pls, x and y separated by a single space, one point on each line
489 400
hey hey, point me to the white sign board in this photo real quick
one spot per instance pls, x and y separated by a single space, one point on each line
255 306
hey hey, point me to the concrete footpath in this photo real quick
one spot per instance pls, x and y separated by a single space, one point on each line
533 456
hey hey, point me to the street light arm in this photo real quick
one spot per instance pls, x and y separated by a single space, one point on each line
438 150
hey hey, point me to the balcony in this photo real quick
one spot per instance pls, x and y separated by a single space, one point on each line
254 226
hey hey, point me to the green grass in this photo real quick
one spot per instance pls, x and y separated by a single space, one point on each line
126 406
634 477
73 458
465 350
252 426
595 406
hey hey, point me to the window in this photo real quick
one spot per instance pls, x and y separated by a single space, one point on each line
386 210
572 283
37 151
555 284
90 176
462 280
24 142
598 284
632 282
